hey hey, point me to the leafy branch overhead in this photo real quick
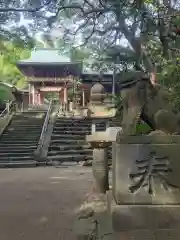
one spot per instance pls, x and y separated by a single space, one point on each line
22 9
113 31
103 23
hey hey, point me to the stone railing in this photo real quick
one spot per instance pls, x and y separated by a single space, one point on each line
6 116
38 153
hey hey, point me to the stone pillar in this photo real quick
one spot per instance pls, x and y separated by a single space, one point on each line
33 95
93 127
30 95
100 167
38 97
100 143
65 97
83 98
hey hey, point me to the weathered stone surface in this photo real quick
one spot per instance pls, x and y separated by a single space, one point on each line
100 169
133 217
112 132
146 185
98 137
99 224
143 179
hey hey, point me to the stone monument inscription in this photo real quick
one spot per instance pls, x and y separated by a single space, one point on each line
146 167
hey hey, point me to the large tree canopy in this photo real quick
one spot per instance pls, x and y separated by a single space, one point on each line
113 31
101 24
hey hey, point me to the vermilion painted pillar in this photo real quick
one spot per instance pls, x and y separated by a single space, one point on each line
33 95
41 94
83 98
61 96
30 95
65 94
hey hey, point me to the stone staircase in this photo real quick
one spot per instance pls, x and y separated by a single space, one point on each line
20 139
68 140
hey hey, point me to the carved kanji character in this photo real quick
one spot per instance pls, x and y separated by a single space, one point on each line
150 168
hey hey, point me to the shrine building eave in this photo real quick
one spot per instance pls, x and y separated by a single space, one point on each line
50 70
93 77
45 63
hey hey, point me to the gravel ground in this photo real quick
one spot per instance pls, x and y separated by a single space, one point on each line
39 203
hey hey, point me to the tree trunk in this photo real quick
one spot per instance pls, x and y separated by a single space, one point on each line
139 49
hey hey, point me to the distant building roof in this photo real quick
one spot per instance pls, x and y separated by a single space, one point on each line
46 56
90 72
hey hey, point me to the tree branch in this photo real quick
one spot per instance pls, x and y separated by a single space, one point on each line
86 39
32 10
136 44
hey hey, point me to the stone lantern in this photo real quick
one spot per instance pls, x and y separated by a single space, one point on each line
98 94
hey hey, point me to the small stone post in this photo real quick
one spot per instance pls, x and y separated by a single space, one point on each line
100 167
100 144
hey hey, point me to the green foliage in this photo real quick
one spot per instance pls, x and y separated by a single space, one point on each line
9 73
5 93
142 128
100 26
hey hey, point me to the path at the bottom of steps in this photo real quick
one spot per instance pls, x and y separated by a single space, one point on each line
41 203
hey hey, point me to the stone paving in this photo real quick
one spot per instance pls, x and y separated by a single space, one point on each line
40 203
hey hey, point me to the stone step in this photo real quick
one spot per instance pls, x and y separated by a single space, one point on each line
25 117
15 150
21 125
71 124
16 158
15 154
59 127
18 147
67 136
69 152
68 147
71 128
73 120
69 158
29 123
12 130
67 130
20 136
33 111
84 133
22 143
18 164
66 142
26 128
25 120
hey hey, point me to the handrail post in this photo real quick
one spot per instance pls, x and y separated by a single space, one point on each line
7 109
7 106
37 152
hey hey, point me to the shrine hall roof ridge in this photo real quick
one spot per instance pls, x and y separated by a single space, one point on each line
44 56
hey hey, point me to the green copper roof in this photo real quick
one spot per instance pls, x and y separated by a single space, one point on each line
46 55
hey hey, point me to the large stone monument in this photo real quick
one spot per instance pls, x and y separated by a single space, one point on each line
145 199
